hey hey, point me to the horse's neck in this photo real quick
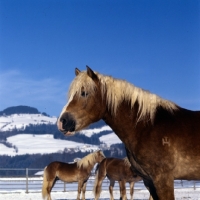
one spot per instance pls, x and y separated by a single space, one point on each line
123 122
90 166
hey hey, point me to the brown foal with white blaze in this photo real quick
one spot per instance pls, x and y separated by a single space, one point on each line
70 172
161 138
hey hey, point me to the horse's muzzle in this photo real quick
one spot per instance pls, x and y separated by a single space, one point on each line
66 123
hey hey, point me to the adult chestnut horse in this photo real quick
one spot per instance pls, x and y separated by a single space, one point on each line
162 140
70 172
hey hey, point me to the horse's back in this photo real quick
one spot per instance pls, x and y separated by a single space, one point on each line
64 171
176 137
118 170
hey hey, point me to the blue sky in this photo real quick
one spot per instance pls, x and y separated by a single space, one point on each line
153 44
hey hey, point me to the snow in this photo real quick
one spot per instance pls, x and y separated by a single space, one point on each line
90 132
180 194
46 144
20 121
15 188
110 139
32 144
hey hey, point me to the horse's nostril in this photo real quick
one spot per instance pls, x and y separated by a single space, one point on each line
67 122
63 121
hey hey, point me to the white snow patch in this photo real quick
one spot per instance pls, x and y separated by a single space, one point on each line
110 139
20 121
90 132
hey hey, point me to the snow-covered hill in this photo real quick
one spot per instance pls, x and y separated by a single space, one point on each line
20 121
45 143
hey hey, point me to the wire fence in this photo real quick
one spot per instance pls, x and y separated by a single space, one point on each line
30 180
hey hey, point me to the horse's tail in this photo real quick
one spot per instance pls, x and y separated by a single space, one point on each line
100 175
45 184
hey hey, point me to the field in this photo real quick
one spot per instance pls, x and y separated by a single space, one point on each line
16 189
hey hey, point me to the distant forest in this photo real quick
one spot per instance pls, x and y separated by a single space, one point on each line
39 161
21 110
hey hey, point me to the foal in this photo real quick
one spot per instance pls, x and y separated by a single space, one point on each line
75 172
115 170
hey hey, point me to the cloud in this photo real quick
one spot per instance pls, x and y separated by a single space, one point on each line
18 89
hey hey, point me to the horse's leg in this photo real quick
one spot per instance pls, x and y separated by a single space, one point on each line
152 190
131 189
112 183
123 189
80 185
120 190
83 190
164 184
97 187
51 183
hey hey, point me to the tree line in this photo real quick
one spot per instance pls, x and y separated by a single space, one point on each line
39 161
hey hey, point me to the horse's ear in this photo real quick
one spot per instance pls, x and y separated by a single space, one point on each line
77 71
91 73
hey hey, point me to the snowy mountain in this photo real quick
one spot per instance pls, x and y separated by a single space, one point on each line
21 143
21 121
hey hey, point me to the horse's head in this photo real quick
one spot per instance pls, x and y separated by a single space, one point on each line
99 156
85 104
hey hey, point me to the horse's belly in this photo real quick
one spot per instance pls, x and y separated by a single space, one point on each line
69 178
187 168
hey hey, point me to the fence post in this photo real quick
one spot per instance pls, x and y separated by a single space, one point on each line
194 185
26 180
64 187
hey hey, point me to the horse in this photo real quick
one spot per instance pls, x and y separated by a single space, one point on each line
160 137
70 172
115 169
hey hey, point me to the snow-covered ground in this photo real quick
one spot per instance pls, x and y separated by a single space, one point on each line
180 194
15 188
69 195
20 121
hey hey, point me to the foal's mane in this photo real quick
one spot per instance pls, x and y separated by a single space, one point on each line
87 160
117 91
126 162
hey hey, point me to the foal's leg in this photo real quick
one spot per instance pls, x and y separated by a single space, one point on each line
123 189
120 189
97 187
83 190
49 188
131 189
112 183
80 185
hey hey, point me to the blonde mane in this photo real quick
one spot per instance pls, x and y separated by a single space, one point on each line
90 159
117 91
126 162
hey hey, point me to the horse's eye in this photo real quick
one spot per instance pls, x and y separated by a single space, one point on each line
84 94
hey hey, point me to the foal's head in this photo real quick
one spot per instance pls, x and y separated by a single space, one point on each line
91 159
99 156
85 103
